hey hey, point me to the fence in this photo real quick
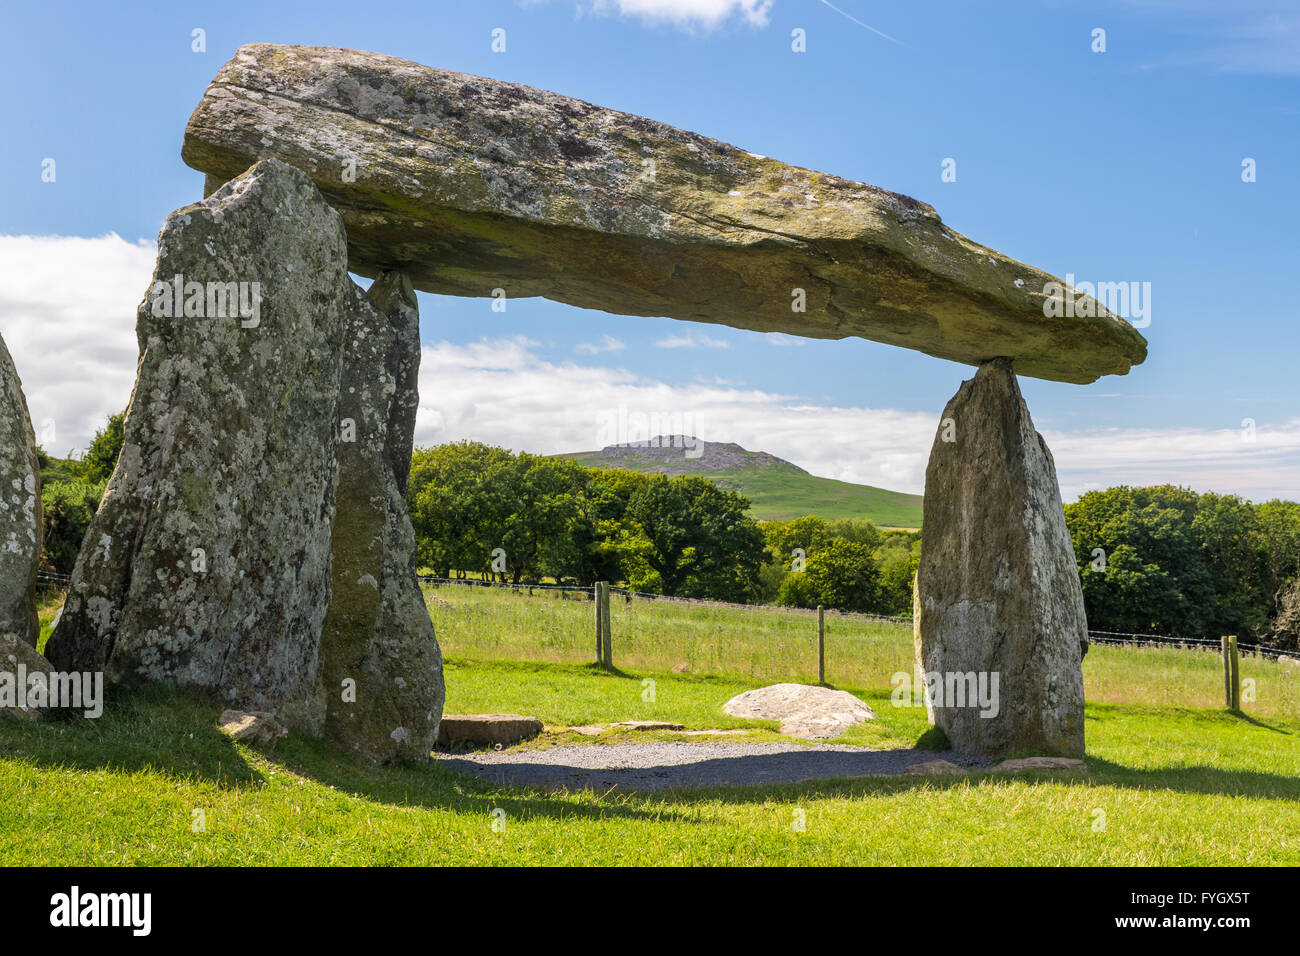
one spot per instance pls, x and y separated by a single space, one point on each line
618 627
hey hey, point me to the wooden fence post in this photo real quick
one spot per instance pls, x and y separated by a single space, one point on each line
821 645
1231 673
606 637
600 627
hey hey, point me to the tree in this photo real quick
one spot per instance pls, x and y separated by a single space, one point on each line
460 496
537 535
841 575
697 538
66 510
101 457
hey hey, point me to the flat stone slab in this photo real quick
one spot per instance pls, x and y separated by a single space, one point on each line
469 184
935 767
486 730
647 725
661 766
803 709
1039 763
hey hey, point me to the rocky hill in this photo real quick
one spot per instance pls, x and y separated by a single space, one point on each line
778 489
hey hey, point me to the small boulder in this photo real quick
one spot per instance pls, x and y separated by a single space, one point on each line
804 710
486 730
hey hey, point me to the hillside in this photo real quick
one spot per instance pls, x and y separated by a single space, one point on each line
777 488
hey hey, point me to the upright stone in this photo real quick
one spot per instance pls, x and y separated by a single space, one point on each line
20 508
208 562
381 670
997 591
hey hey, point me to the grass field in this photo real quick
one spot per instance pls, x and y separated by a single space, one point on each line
764 645
1172 778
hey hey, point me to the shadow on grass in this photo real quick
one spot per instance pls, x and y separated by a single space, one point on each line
149 729
170 732
1255 722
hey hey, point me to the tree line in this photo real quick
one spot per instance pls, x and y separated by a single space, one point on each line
1166 560
482 510
1159 560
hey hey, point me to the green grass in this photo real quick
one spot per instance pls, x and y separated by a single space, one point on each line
1175 779
1176 786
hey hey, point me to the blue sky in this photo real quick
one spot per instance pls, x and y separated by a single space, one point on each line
1118 166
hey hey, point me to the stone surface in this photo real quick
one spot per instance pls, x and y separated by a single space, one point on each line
935 766
19 660
20 508
1041 763
208 561
803 709
647 725
1287 661
998 592
486 729
256 727
380 668
469 185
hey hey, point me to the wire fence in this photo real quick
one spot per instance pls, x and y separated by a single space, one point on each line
493 620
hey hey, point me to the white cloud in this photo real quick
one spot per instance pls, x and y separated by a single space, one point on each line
67 313
607 343
528 404
692 340
689 14
785 341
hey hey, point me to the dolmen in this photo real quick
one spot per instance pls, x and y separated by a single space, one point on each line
254 539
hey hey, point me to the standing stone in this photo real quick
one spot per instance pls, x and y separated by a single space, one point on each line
208 562
380 670
997 590
20 508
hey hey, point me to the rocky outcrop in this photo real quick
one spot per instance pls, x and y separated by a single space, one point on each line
471 185
1000 628
208 561
20 508
380 667
804 710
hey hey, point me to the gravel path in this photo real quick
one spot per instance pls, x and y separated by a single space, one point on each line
659 766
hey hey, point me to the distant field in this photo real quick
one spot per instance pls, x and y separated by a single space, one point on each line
768 645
